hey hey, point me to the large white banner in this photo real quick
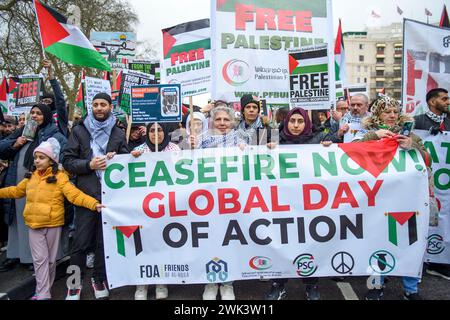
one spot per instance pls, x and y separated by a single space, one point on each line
220 215
438 249
187 57
250 39
426 64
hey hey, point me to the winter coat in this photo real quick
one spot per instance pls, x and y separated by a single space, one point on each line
44 206
423 122
78 154
7 152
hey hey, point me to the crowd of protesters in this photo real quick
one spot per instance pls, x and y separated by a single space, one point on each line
71 159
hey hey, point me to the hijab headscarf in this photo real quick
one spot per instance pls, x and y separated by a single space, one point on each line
198 116
307 133
48 120
161 146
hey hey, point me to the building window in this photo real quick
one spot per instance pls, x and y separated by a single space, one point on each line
398 61
380 73
358 80
361 46
397 73
359 68
380 60
366 68
380 84
365 80
380 50
361 58
397 95
397 84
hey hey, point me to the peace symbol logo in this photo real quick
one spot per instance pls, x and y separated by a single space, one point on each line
343 262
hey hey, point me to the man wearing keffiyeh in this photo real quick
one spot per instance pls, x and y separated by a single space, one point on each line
91 142
436 120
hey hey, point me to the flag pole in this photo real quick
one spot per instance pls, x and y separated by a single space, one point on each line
39 28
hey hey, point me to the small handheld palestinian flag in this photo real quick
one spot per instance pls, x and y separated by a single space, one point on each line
66 41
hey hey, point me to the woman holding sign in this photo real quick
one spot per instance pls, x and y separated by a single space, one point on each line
387 121
157 138
297 128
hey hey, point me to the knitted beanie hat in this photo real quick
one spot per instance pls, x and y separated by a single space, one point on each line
51 148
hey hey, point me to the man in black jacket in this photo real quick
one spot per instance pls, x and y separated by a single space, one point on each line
436 120
91 142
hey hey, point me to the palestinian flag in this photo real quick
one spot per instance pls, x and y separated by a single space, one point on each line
118 82
339 56
128 232
66 41
79 102
4 96
186 36
445 22
309 61
401 218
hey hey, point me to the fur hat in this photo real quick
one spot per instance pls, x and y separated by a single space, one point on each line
51 148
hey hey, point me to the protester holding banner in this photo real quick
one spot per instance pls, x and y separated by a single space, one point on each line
387 121
222 134
297 128
254 128
56 101
91 142
154 141
20 150
435 121
44 214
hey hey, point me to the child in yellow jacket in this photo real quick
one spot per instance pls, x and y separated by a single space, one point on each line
45 189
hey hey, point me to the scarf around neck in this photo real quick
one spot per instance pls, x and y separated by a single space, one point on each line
100 132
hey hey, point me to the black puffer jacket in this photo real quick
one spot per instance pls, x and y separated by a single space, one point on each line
78 154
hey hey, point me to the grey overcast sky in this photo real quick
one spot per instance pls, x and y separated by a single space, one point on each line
155 15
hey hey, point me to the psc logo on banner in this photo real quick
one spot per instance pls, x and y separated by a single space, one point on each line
435 244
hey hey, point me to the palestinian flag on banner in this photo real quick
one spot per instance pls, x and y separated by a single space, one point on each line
309 61
445 22
401 218
128 232
339 57
4 96
66 41
187 36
